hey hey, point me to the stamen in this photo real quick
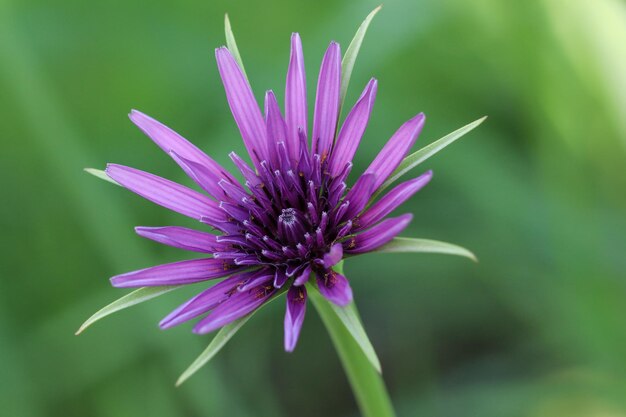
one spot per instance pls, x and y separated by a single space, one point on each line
344 230
323 221
319 237
312 213
271 243
290 227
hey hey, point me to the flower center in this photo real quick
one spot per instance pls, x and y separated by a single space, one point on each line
288 216
291 227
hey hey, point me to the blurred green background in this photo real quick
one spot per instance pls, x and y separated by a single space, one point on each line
537 328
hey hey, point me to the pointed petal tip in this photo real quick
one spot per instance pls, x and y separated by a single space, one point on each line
198 330
115 281
220 50
406 218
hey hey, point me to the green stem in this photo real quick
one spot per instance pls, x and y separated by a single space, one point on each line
367 384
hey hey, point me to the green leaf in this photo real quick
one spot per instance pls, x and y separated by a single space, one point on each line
407 244
347 64
349 316
138 296
427 151
367 384
101 174
220 340
231 44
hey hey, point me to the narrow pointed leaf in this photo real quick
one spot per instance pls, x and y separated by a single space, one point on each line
367 383
232 45
101 174
427 151
349 317
220 340
349 58
138 296
408 245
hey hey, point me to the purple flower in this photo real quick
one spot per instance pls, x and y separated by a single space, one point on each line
294 217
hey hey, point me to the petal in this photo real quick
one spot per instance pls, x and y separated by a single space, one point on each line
177 273
280 277
378 235
359 195
276 128
204 301
243 105
183 238
327 102
202 176
392 200
166 193
169 141
294 316
334 287
238 305
303 276
333 257
296 113
352 130
260 277
396 149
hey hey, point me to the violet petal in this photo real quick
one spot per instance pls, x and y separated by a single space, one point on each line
237 306
396 149
334 256
177 273
352 130
294 316
243 105
204 301
296 113
378 235
334 287
169 141
327 102
392 200
181 237
166 193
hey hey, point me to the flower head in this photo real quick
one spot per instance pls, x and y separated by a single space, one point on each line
293 218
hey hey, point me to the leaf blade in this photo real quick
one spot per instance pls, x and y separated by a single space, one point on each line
367 384
349 58
414 245
136 297
216 344
427 151
219 341
349 316
231 44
